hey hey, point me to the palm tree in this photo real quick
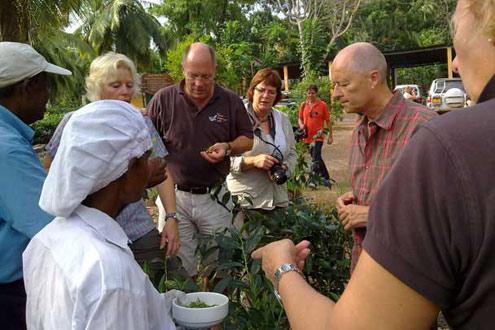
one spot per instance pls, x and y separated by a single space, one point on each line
25 20
123 26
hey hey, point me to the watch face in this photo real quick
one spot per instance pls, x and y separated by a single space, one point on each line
286 267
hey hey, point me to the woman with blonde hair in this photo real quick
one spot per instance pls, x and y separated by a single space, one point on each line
430 244
114 76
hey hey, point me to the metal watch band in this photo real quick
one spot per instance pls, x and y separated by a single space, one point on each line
284 268
171 215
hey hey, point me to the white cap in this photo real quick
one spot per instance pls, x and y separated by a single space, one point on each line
96 146
20 61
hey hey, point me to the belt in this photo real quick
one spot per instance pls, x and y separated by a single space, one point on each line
194 190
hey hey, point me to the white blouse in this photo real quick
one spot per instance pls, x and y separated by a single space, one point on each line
254 184
79 273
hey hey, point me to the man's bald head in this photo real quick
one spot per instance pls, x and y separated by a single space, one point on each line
199 51
199 66
362 57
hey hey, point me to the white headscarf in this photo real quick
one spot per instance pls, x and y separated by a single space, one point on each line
95 149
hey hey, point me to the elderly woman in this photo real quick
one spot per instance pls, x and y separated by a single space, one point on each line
258 176
430 244
79 271
113 76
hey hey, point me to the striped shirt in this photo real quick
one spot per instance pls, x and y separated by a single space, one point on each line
376 145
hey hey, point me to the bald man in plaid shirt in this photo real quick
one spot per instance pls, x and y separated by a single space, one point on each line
387 122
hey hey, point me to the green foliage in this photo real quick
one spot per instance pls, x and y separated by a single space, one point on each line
29 20
395 24
123 26
253 304
313 47
227 74
200 18
301 176
173 64
44 129
422 76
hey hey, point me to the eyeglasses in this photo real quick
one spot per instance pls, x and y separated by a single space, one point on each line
200 77
270 92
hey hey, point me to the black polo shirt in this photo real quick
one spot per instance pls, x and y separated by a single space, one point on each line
186 131
432 223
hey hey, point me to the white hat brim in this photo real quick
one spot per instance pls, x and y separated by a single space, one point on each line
52 68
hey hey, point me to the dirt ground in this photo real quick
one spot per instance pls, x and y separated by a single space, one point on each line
336 157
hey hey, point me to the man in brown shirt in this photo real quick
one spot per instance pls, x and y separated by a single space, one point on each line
201 124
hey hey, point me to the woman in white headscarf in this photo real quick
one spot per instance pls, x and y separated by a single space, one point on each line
79 271
113 76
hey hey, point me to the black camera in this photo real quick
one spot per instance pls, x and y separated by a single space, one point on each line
278 172
300 134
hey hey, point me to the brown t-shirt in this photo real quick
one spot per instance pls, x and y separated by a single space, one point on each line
432 224
186 132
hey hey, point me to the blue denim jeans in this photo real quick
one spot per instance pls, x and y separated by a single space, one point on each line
318 165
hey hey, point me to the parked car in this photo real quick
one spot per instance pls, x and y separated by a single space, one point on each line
419 93
286 102
446 94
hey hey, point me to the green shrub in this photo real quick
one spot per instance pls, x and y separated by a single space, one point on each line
253 304
44 128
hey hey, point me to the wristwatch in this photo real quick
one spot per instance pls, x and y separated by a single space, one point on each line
284 268
171 215
228 151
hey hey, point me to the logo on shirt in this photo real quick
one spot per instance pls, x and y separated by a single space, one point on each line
218 118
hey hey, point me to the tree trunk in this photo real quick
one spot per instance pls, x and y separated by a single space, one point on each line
9 21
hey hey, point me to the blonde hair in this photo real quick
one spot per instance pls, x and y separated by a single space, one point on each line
484 14
103 69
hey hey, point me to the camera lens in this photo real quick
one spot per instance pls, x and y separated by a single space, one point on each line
278 174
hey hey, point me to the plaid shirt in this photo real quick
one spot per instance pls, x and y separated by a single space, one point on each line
134 218
376 145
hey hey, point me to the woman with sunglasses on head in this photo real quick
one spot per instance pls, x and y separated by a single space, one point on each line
258 177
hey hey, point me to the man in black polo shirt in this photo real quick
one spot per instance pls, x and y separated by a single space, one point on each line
201 124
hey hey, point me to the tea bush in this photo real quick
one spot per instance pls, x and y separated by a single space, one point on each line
44 128
253 304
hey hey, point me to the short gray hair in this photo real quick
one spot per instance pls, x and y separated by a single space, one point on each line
213 55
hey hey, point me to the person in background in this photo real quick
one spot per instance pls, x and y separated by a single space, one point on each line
431 239
24 93
408 93
113 76
80 272
258 177
386 124
202 124
414 95
313 116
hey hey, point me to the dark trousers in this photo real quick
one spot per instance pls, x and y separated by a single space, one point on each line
12 305
147 249
318 166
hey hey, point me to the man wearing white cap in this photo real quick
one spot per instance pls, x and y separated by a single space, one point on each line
79 271
24 92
